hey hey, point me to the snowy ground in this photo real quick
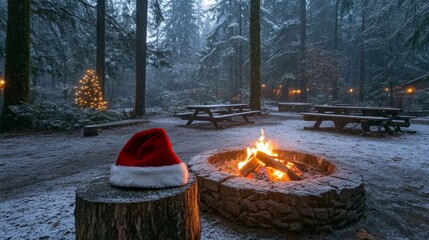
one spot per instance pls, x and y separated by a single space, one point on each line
39 173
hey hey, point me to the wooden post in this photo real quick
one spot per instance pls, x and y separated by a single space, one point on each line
106 212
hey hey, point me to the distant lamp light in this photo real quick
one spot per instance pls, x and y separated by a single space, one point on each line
2 84
307 89
350 90
295 91
386 89
410 90
263 85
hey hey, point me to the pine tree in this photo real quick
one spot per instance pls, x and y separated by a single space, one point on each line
88 93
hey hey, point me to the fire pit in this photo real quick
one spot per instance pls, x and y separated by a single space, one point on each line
315 195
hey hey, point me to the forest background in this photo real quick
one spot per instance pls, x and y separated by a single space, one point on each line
336 51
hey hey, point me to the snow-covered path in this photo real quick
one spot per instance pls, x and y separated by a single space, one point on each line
40 172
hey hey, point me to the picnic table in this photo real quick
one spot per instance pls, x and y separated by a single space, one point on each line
384 117
294 107
216 112
364 111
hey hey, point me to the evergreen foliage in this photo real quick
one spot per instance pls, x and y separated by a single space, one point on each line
206 50
43 115
88 92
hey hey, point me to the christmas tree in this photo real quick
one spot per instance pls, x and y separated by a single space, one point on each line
88 92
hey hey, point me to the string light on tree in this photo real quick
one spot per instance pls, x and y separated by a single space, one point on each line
88 92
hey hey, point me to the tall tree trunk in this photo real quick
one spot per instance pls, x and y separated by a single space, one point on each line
255 55
65 78
101 45
141 25
17 65
303 49
240 50
362 56
335 82
337 2
349 52
231 77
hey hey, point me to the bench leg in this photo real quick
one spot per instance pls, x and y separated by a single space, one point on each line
192 118
365 126
215 124
317 124
340 124
213 120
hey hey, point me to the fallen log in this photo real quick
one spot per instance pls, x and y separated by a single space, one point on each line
252 165
271 162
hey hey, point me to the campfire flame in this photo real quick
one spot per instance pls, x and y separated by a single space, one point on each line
267 147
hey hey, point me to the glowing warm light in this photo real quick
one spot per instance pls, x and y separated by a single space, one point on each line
2 84
410 90
263 85
295 91
267 147
386 89
89 94
350 90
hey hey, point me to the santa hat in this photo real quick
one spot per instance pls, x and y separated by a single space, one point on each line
148 161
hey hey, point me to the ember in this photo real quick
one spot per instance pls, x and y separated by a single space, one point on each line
263 164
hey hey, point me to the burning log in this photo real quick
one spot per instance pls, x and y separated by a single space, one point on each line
271 162
250 166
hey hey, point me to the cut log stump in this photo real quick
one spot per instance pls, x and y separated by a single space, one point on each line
106 212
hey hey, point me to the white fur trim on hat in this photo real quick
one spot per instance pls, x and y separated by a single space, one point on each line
149 177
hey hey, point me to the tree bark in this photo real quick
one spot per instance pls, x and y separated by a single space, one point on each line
106 212
302 50
337 3
17 64
141 32
362 56
240 51
255 55
101 45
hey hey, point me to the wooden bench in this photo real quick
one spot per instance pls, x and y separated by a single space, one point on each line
217 115
399 121
184 115
244 114
293 107
92 130
341 120
188 115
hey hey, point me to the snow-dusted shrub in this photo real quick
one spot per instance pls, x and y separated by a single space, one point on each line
50 116
421 100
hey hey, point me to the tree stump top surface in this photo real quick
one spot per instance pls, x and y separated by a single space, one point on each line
100 190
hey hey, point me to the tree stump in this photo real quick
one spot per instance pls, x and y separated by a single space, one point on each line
106 212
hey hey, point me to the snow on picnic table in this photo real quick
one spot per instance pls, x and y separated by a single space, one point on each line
39 173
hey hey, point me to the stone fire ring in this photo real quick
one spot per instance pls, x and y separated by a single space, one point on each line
310 205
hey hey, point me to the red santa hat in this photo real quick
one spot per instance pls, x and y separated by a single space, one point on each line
148 161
